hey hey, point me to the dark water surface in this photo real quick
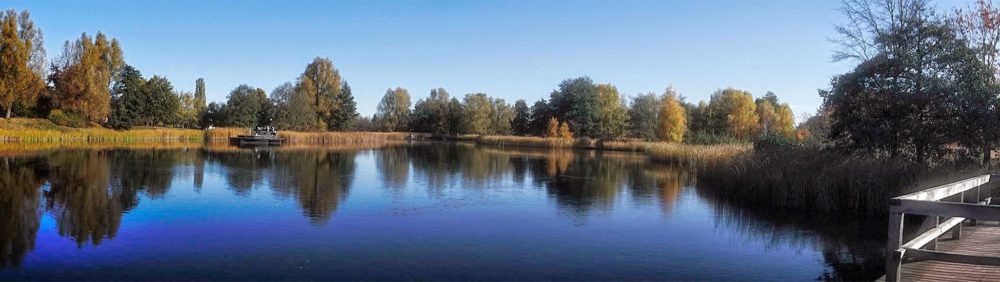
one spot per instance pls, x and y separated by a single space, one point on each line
426 211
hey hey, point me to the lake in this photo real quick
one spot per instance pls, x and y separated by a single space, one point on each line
427 211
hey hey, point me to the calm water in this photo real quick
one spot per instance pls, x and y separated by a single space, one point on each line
428 211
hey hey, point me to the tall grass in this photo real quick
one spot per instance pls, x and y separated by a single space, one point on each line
674 153
44 131
812 180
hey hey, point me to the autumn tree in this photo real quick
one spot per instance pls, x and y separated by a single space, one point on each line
979 26
552 128
84 74
21 61
321 82
673 119
733 112
564 131
393 113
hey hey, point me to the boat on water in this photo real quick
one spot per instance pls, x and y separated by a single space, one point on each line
260 136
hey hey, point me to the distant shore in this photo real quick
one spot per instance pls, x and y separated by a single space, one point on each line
41 131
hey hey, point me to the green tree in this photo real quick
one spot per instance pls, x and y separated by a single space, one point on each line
540 115
199 94
455 118
644 116
188 111
245 106
128 103
522 118
610 115
393 113
289 106
502 114
345 110
478 113
575 103
919 89
432 114
161 103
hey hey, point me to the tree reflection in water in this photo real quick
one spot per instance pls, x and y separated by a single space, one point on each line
319 181
852 249
19 209
88 191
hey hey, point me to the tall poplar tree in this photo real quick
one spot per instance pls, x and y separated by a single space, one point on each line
20 79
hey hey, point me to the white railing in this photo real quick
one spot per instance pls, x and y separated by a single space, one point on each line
955 202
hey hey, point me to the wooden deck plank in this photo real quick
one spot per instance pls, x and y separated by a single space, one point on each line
982 240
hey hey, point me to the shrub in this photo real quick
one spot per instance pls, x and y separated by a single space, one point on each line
67 119
774 141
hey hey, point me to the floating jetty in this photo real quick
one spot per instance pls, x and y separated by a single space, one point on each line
261 136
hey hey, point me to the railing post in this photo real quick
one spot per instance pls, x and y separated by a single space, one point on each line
894 256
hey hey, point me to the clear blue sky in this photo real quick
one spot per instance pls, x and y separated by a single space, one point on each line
509 49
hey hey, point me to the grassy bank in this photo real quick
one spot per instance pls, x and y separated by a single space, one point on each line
41 131
24 130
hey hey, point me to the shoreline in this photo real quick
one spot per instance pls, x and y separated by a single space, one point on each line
44 134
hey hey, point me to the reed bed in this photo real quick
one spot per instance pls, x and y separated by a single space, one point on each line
811 180
522 141
222 134
43 131
694 155
675 153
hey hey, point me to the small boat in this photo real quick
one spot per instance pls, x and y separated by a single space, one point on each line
261 136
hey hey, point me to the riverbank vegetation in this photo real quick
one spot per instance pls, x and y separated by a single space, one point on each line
22 130
919 109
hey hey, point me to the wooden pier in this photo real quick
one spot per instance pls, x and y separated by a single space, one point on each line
945 233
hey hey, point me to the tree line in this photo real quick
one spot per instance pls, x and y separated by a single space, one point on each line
90 82
582 108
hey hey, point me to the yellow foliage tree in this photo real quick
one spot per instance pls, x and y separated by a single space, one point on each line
552 130
19 82
564 132
88 68
673 119
733 112
784 122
